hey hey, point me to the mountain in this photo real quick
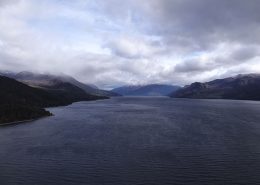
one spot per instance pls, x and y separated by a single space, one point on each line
91 89
241 87
9 74
19 101
146 90
49 81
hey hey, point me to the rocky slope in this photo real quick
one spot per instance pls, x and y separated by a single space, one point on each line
241 87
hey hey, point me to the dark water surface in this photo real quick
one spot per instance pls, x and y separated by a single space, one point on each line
136 141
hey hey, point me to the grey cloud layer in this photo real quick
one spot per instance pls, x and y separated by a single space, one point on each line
111 43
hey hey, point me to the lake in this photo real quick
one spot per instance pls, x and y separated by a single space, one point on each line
136 141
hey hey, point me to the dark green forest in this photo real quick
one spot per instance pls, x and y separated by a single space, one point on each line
21 102
12 113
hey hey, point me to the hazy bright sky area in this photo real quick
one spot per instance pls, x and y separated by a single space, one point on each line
114 42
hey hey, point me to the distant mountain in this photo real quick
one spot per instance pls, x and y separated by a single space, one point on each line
91 89
146 90
48 81
241 87
7 74
19 101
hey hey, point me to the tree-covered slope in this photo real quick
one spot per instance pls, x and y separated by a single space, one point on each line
19 101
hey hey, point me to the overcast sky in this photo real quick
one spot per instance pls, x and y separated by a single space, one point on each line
113 42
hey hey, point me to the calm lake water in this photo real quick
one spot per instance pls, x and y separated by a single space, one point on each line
136 141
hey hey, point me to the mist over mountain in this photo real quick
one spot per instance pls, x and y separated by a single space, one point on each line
240 87
146 90
49 81
110 43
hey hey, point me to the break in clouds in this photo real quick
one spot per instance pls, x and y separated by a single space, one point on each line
113 42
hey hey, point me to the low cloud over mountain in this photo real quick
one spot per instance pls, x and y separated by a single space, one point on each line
110 43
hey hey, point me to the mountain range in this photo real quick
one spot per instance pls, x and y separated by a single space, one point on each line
24 95
146 90
240 87
48 81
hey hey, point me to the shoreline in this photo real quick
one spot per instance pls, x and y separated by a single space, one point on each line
46 109
22 121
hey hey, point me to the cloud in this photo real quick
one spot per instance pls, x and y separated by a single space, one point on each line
245 53
194 66
6 2
205 20
110 43
132 48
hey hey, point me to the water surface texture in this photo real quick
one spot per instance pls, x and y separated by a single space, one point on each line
136 141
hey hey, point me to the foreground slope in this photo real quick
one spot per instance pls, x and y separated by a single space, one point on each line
21 102
241 87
